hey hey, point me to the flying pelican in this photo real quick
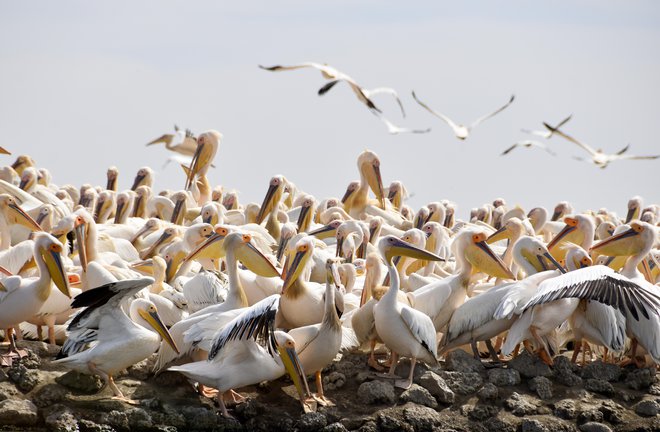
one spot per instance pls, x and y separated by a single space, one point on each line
330 73
120 341
404 330
547 134
462 131
598 157
393 129
22 298
179 142
368 93
529 144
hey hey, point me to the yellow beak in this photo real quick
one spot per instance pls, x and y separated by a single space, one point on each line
481 256
53 262
154 321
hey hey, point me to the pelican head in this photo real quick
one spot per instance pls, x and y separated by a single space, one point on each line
45 216
212 247
14 214
104 205
421 217
579 229
50 250
28 178
112 176
124 206
287 232
168 236
294 267
151 225
246 252
273 196
638 238
230 200
481 256
634 208
22 162
306 213
561 209
369 167
179 199
511 229
350 190
390 246
144 176
147 311
286 348
325 231
207 147
210 213
534 252
577 258
605 229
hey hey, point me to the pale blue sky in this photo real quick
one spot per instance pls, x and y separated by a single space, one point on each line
84 85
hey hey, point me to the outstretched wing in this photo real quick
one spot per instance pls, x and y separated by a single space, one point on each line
435 113
487 116
584 146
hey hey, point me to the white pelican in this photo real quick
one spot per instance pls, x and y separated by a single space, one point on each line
144 177
14 258
598 157
635 205
462 131
330 73
367 93
22 298
182 142
112 176
528 144
120 341
547 134
579 230
404 330
207 147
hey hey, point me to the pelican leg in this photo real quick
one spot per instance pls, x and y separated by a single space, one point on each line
208 392
405 384
475 350
394 361
13 353
222 406
50 322
633 356
372 362
492 351
320 397
498 343
576 350
543 353
605 352
40 333
236 397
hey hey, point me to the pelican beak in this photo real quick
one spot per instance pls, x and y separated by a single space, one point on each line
81 233
267 205
555 215
498 235
112 183
142 231
484 259
622 244
136 205
22 218
256 261
280 248
552 259
97 210
164 237
154 321
172 266
212 247
177 214
347 194
629 216
119 211
293 367
53 259
41 217
294 269
571 225
24 182
340 244
145 267
304 211
400 248
646 271
137 181
376 184
201 159
327 230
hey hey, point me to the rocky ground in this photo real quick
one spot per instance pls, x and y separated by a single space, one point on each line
460 394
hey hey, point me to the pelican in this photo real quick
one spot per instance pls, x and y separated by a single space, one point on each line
182 142
144 177
635 205
22 298
598 157
547 134
528 144
404 330
207 147
120 341
330 73
462 131
579 230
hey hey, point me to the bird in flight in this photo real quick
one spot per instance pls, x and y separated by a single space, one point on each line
362 91
329 73
395 130
528 144
462 131
598 157
182 142
547 134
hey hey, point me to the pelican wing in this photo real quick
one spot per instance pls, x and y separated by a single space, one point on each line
24 199
435 113
166 138
280 68
508 150
421 326
631 157
256 322
487 116
609 321
601 284
387 90
584 146
563 122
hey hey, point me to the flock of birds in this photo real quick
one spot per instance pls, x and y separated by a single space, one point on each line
231 295
461 132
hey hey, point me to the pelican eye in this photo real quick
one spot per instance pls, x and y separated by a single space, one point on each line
638 228
302 248
571 222
246 238
221 231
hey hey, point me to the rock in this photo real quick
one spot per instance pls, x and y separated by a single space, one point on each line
24 378
530 366
647 408
437 387
462 383
3 376
521 405
612 412
199 418
18 412
504 377
139 419
494 424
116 419
368 427
488 392
334 427
565 409
481 412
542 386
602 371
374 392
639 379
81 382
422 418
564 372
530 425
30 361
594 427
460 361
249 409
311 421
599 386
61 420
419 395
403 369
334 380
389 423
48 395
589 415
141 370
90 426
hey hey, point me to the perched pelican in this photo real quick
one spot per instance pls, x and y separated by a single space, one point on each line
144 177
120 341
579 230
22 298
404 330
112 176
528 144
598 157
462 131
207 147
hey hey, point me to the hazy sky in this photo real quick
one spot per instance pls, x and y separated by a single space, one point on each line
84 85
